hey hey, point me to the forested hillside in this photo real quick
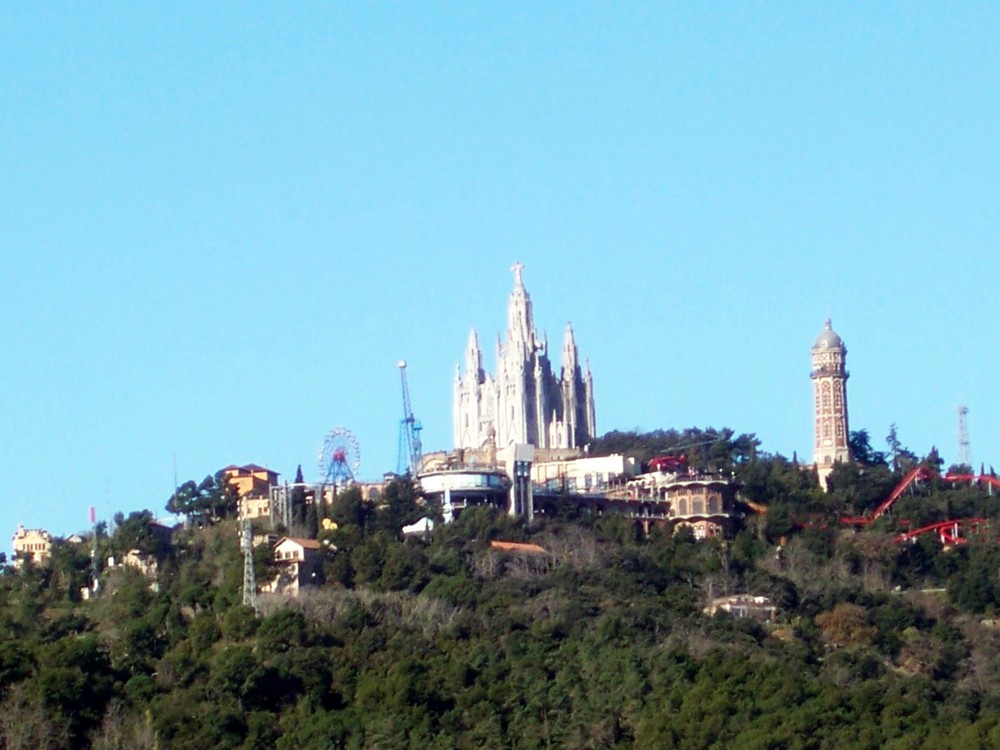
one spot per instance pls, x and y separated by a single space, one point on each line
601 642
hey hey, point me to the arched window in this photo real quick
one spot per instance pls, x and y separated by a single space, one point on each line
698 507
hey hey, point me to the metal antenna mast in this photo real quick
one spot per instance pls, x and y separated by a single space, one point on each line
964 457
95 565
249 581
410 450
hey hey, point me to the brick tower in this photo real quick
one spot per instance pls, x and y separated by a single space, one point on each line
829 377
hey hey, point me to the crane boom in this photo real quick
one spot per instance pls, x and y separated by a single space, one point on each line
410 449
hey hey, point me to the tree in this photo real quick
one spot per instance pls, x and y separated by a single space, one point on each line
901 459
213 499
862 451
298 498
136 532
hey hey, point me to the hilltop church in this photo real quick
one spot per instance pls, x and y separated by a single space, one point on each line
526 402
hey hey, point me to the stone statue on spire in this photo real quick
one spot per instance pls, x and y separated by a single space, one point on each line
517 268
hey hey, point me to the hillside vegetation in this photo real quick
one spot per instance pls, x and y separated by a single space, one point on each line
599 643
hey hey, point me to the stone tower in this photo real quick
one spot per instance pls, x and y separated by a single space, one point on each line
526 402
829 376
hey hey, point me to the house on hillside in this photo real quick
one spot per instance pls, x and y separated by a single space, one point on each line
759 608
253 485
300 563
32 544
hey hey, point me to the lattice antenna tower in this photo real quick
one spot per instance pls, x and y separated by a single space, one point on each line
964 457
249 580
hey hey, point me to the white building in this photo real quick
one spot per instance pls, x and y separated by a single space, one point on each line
526 402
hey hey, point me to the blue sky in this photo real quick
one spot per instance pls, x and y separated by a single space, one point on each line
222 224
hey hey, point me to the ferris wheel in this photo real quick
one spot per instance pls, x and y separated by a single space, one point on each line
340 457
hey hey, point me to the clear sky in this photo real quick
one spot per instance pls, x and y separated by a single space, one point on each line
221 224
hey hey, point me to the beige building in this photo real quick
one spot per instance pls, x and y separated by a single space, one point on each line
703 504
32 544
300 564
592 474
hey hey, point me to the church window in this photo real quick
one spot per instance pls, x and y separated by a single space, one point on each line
714 504
698 507
683 505
826 428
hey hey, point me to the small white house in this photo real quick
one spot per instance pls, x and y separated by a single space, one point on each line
300 564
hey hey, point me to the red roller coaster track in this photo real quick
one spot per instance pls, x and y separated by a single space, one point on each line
973 479
948 531
914 475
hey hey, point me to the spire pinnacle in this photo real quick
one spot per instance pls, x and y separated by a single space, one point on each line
517 268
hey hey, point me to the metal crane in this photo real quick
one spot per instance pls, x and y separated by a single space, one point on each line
410 450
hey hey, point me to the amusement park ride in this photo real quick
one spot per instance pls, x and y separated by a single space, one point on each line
340 457
949 531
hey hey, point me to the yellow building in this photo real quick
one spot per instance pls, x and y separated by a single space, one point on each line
32 544
251 480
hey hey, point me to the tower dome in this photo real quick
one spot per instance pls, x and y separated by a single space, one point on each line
829 338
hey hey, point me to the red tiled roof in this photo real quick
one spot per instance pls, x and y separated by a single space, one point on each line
517 547
304 543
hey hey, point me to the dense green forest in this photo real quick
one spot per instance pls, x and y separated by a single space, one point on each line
445 642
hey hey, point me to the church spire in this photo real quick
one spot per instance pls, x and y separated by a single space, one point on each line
473 355
520 326
569 351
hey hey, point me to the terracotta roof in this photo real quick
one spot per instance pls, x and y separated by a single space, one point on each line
256 467
248 468
518 547
304 543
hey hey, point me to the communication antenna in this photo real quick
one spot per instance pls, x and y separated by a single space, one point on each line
249 581
94 563
964 457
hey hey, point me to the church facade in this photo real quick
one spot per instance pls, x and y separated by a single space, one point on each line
526 402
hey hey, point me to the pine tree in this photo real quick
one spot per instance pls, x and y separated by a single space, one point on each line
298 498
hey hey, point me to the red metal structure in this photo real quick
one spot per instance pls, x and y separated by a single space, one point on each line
949 532
986 479
668 463
915 475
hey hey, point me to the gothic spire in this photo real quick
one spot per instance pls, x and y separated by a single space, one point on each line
473 354
569 350
520 327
